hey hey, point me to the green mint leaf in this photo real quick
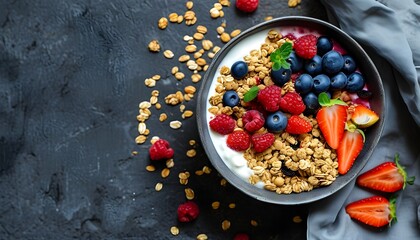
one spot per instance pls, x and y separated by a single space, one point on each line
280 55
325 101
285 50
251 94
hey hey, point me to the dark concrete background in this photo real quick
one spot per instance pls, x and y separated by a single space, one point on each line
71 78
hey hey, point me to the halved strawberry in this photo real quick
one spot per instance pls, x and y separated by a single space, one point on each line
364 117
386 177
331 119
375 211
349 148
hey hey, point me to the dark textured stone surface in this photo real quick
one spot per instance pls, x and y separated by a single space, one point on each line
71 78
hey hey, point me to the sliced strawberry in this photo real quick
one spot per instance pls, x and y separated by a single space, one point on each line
349 149
331 119
375 211
364 117
386 177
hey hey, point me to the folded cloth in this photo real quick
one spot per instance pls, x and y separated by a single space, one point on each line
389 32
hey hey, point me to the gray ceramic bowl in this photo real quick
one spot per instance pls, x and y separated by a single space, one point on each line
246 38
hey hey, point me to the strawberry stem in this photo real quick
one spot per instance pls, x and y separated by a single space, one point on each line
392 210
351 127
401 170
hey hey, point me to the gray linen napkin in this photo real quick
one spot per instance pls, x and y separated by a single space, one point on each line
389 30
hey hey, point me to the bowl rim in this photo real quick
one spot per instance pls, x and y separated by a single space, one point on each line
259 193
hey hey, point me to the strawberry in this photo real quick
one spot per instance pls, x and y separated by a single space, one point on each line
247 5
331 119
223 124
386 177
298 125
364 117
238 140
262 141
160 150
349 148
375 211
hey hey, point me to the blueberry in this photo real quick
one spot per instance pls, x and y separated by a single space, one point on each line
338 81
364 94
314 65
276 122
287 171
321 83
230 98
349 64
304 83
323 45
332 62
355 82
239 69
281 76
296 63
311 102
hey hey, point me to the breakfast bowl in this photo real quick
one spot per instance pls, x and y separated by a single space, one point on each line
296 168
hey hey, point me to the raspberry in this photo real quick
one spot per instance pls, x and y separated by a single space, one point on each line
292 102
238 140
160 150
290 36
270 98
305 46
247 5
188 211
223 124
241 236
262 141
298 125
253 120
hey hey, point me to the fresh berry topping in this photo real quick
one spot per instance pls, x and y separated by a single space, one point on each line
305 46
290 36
188 211
238 140
247 5
292 103
386 177
349 149
363 117
270 98
239 69
321 83
262 141
223 124
298 125
364 94
324 45
276 122
349 64
304 83
313 66
161 150
281 76
241 236
296 63
338 81
355 82
374 211
332 62
311 103
253 120
331 119
230 98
